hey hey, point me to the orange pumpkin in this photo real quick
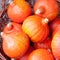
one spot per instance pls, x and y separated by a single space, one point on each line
53 24
18 11
56 45
15 41
36 28
45 44
46 8
40 54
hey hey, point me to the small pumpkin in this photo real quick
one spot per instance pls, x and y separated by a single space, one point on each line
40 54
56 45
46 8
15 41
36 28
19 10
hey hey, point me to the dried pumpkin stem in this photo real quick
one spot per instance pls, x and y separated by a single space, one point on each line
46 20
49 50
41 10
10 2
1 33
13 59
38 11
10 26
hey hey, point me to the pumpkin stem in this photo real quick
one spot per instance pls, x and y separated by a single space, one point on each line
41 10
10 2
46 20
9 26
1 33
38 11
49 50
12 59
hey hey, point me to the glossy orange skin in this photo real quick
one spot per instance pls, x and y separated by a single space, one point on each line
15 41
35 28
45 44
18 11
54 23
25 57
49 8
56 45
40 54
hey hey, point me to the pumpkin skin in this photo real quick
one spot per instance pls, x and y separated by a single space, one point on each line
45 44
36 28
18 11
46 8
56 45
40 54
25 57
53 24
15 41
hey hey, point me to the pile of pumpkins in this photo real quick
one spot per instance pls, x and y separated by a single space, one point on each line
33 33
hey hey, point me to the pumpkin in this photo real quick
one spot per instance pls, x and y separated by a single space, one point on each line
45 44
53 24
15 41
46 8
55 44
41 54
18 11
36 28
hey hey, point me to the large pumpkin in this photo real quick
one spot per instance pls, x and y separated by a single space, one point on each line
36 28
15 41
18 11
40 54
56 45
